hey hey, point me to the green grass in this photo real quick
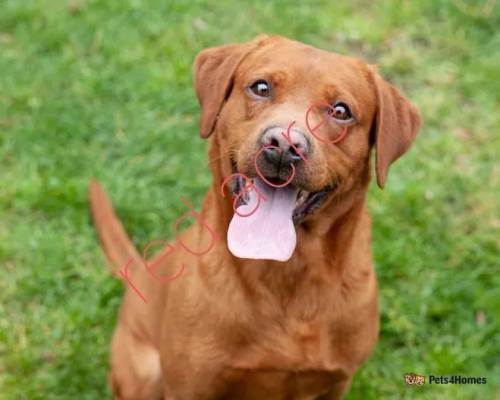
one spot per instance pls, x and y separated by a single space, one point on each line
103 88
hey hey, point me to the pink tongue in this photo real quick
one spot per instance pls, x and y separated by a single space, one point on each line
268 233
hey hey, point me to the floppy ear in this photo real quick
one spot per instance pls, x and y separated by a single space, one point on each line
396 125
213 74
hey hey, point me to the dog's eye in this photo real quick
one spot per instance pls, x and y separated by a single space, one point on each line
261 88
340 111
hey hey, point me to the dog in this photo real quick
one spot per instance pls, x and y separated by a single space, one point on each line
284 305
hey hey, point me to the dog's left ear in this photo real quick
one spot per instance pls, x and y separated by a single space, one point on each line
213 75
396 126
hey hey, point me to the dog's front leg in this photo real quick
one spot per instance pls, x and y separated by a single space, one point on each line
338 391
202 386
193 366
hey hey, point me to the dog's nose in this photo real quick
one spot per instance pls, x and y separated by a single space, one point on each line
292 144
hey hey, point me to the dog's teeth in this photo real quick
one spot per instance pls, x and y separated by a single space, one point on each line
301 198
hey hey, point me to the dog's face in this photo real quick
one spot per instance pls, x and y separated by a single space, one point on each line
275 86
292 115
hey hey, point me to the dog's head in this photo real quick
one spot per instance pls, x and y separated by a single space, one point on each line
292 116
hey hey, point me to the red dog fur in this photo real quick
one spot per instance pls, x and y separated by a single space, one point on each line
232 328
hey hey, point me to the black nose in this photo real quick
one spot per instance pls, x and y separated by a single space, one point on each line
288 147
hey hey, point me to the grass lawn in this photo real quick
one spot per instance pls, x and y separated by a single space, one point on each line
103 88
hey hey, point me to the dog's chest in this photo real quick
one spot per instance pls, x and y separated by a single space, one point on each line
290 344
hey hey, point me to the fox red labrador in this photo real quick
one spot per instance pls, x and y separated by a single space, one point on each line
284 303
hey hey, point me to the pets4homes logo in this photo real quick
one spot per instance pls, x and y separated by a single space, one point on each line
412 379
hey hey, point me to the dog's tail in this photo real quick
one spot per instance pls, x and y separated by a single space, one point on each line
117 246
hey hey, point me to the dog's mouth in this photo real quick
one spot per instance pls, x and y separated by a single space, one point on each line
305 202
263 224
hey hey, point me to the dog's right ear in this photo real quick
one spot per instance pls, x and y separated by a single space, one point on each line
213 75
